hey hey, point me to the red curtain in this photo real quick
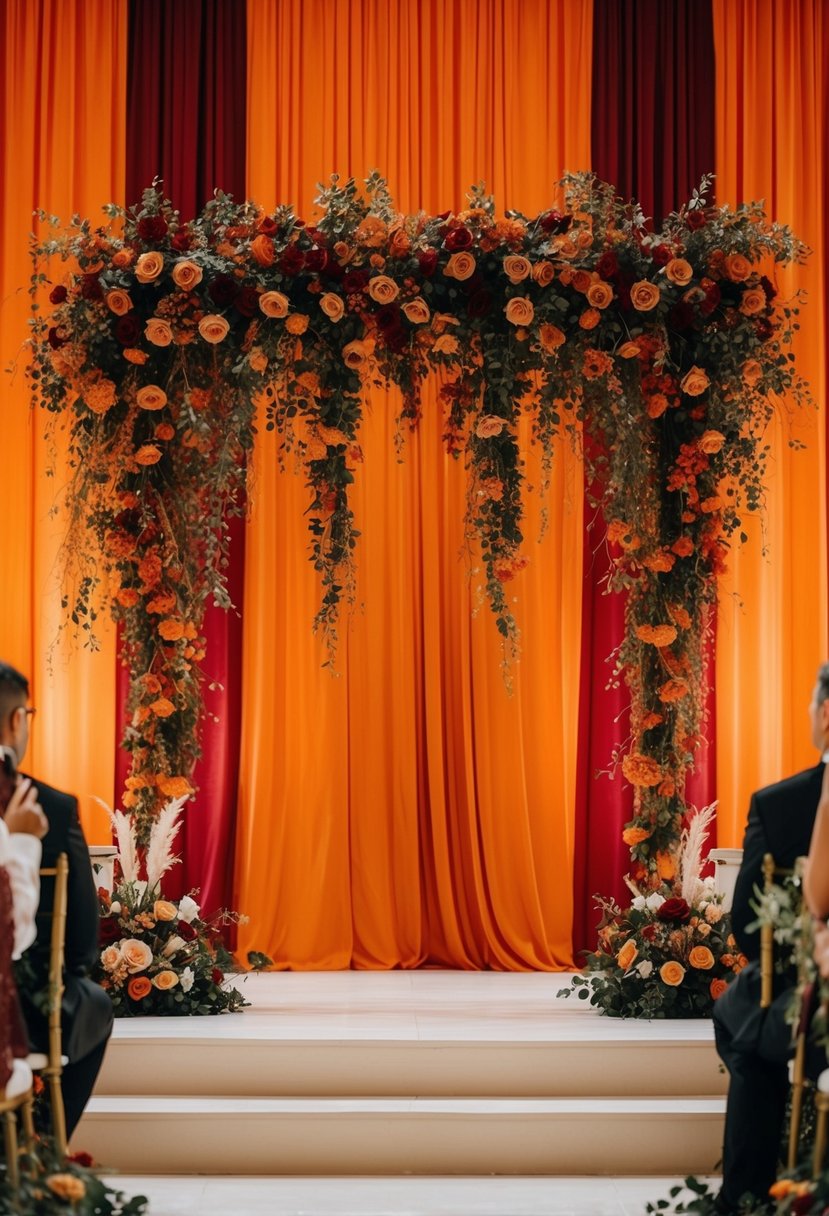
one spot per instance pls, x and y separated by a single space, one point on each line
186 123
653 137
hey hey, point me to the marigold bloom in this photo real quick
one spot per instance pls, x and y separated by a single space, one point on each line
641 770
656 635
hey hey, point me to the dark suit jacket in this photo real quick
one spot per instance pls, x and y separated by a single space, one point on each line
87 1019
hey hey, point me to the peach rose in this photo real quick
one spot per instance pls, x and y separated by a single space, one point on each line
752 372
544 273
382 289
516 268
274 304
148 454
460 266
165 980
118 301
634 835
67 1187
701 958
164 910
644 295
627 954
149 266
417 311
187 274
139 987
713 914
355 354
695 382
151 397
137 955
158 332
519 311
753 302
599 295
489 426
679 271
710 442
262 250
550 337
213 328
446 344
297 323
737 267
672 974
332 306
656 404
110 957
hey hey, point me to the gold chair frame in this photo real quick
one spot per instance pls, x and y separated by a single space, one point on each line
52 1069
9 1108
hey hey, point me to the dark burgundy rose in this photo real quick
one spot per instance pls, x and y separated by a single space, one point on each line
91 287
182 241
108 930
763 328
318 237
152 228
696 219
315 259
681 315
84 1160
661 255
624 282
428 260
388 319
292 260
216 975
554 221
57 295
267 225
803 1205
479 303
648 932
128 329
186 931
247 302
607 265
443 215
674 909
54 339
333 270
767 286
356 280
223 290
458 238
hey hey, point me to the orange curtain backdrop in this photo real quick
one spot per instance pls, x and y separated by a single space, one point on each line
771 80
62 149
408 810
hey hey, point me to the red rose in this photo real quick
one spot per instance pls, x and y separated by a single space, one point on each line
428 260
84 1160
247 302
763 328
803 1204
152 227
648 932
182 241
186 931
713 295
681 316
216 975
767 286
356 280
388 319
292 260
458 238
479 303
315 260
57 295
223 290
54 339
108 930
267 225
674 909
607 265
554 221
128 329
91 288
695 219
661 255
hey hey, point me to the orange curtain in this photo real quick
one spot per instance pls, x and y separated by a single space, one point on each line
771 81
408 810
62 122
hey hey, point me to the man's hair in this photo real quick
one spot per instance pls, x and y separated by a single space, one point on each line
822 683
14 689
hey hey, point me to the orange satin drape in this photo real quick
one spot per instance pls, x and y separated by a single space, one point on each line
408 810
62 123
771 81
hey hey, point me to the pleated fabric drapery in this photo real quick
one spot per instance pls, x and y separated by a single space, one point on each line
62 104
408 810
772 131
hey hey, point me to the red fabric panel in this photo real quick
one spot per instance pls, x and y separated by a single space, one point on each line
653 137
186 123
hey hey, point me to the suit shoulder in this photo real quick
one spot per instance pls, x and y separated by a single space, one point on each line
792 790
55 802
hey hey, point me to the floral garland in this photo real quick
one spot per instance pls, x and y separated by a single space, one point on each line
662 351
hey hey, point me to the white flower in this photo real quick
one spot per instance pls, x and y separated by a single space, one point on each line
188 909
187 977
115 907
638 902
173 943
645 968
655 901
709 882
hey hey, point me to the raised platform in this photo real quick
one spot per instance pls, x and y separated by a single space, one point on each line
427 1072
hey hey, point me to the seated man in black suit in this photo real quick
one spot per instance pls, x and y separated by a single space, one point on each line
87 1010
754 1044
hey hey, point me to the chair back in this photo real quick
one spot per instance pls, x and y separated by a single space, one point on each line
772 875
57 941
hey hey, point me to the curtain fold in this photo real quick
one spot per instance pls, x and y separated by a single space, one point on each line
771 94
186 117
409 811
61 148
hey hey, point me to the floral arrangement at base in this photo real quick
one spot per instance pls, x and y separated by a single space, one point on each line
670 954
158 957
795 1195
50 1186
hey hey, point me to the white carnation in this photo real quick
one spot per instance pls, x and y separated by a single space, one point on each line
187 977
655 901
645 968
638 902
188 909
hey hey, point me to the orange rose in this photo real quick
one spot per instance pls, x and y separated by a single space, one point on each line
123 258
274 304
171 629
672 974
139 987
753 302
633 836
417 311
656 635
151 397
516 268
382 289
656 404
158 332
599 295
297 323
644 295
187 274
127 597
399 243
148 454
550 337
118 301
659 562
332 306
581 281
737 267
343 252
163 707
67 1187
679 271
543 273
626 955
628 350
460 266
701 958
165 980
355 354
262 250
695 382
590 318
133 355
752 372
149 266
641 770
519 311
213 328
489 426
710 442
164 910
446 344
